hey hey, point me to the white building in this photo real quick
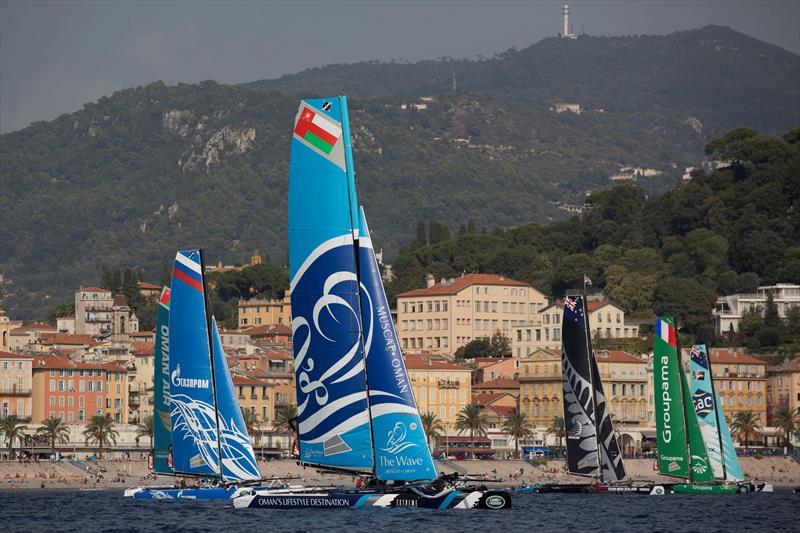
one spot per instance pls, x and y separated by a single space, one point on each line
729 309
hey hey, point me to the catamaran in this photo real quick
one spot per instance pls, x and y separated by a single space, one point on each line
592 447
692 436
356 408
199 430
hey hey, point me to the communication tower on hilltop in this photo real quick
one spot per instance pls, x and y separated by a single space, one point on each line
566 34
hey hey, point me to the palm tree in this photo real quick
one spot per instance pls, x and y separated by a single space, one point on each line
517 426
100 429
146 428
747 423
251 422
787 420
557 429
472 419
12 428
283 420
432 425
55 431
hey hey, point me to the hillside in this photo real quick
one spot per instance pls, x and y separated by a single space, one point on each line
126 180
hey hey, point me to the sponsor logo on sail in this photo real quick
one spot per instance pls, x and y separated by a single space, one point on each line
396 444
703 403
188 383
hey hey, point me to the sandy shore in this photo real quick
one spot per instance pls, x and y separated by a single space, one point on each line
781 471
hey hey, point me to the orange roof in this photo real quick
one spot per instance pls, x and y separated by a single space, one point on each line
10 355
142 334
69 339
500 383
724 355
93 289
488 361
787 366
143 349
593 306
280 329
148 286
502 410
485 398
423 362
239 379
48 362
618 356
462 283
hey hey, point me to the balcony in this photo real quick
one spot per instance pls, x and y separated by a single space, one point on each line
15 391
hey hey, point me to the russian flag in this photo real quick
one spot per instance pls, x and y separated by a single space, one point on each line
666 332
188 270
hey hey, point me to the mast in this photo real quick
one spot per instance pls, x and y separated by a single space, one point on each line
716 416
211 356
590 356
354 223
682 379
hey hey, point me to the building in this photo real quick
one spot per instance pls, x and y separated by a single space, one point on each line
729 309
24 338
740 381
606 321
497 386
440 387
257 312
489 368
625 383
255 395
444 316
66 324
150 291
15 385
6 327
496 407
75 391
141 372
93 313
783 387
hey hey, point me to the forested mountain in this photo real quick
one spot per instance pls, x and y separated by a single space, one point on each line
128 179
722 232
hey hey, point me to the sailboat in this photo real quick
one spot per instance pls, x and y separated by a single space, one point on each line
199 429
592 448
682 451
356 409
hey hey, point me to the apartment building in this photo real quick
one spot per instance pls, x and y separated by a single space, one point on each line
447 315
440 387
729 309
6 327
15 385
262 312
783 387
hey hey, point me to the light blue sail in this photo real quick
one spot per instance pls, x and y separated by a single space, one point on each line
333 413
238 459
713 427
162 425
195 446
401 449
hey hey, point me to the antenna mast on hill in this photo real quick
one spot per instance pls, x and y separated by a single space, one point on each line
454 82
565 34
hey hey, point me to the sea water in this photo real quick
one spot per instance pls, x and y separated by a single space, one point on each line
64 511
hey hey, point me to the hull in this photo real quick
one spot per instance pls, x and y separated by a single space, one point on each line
584 488
204 493
711 488
489 499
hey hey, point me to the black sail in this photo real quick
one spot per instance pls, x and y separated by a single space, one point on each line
610 456
579 420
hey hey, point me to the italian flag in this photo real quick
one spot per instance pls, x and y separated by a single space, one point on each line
318 130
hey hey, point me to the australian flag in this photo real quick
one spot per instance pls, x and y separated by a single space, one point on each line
573 309
699 356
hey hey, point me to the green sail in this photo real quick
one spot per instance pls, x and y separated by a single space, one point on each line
701 466
673 457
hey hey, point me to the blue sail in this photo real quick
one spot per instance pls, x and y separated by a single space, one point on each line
238 459
401 449
195 446
333 413
713 427
162 425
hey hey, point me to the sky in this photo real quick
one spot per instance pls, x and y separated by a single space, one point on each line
57 56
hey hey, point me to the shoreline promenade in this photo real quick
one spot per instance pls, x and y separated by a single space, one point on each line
120 474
